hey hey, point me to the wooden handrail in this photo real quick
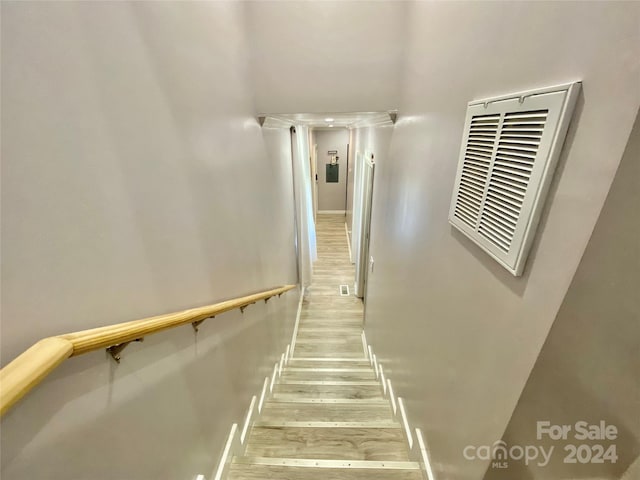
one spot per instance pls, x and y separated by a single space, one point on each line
33 365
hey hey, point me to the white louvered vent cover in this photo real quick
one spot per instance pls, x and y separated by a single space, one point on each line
509 152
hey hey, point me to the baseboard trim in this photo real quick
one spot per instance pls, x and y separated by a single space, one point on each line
355 290
364 345
232 448
248 420
418 451
405 422
263 394
273 377
425 461
346 231
295 327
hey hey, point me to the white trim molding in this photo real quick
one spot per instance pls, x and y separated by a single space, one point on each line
426 462
295 327
232 448
346 231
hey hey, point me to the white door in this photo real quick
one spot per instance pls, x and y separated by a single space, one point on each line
315 184
313 160
364 214
357 207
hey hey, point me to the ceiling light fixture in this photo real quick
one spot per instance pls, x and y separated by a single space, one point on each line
328 119
330 125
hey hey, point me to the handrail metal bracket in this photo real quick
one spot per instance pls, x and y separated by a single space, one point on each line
116 350
267 299
245 306
197 323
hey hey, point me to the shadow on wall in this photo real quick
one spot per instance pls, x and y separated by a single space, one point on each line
587 368
518 285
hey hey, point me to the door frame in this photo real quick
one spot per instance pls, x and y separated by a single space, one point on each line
313 160
364 219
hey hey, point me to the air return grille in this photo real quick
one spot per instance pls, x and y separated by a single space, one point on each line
475 167
510 176
508 155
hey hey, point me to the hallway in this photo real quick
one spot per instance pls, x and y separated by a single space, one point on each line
327 417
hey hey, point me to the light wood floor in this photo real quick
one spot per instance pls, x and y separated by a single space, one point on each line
327 417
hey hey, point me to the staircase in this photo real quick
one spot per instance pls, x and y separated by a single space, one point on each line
327 417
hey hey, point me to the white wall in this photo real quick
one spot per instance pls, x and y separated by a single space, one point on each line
457 334
332 196
132 173
326 56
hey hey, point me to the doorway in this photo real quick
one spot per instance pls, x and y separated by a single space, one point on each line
331 169
314 173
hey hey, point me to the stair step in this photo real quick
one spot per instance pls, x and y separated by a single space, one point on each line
345 401
330 369
330 329
327 412
343 340
330 323
330 382
353 333
328 362
328 443
342 306
333 328
330 295
321 313
294 373
260 468
305 424
352 349
297 390
335 303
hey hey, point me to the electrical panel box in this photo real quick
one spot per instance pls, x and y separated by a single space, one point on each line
332 173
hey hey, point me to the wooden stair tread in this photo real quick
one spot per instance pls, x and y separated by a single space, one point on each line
327 391
325 412
328 443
